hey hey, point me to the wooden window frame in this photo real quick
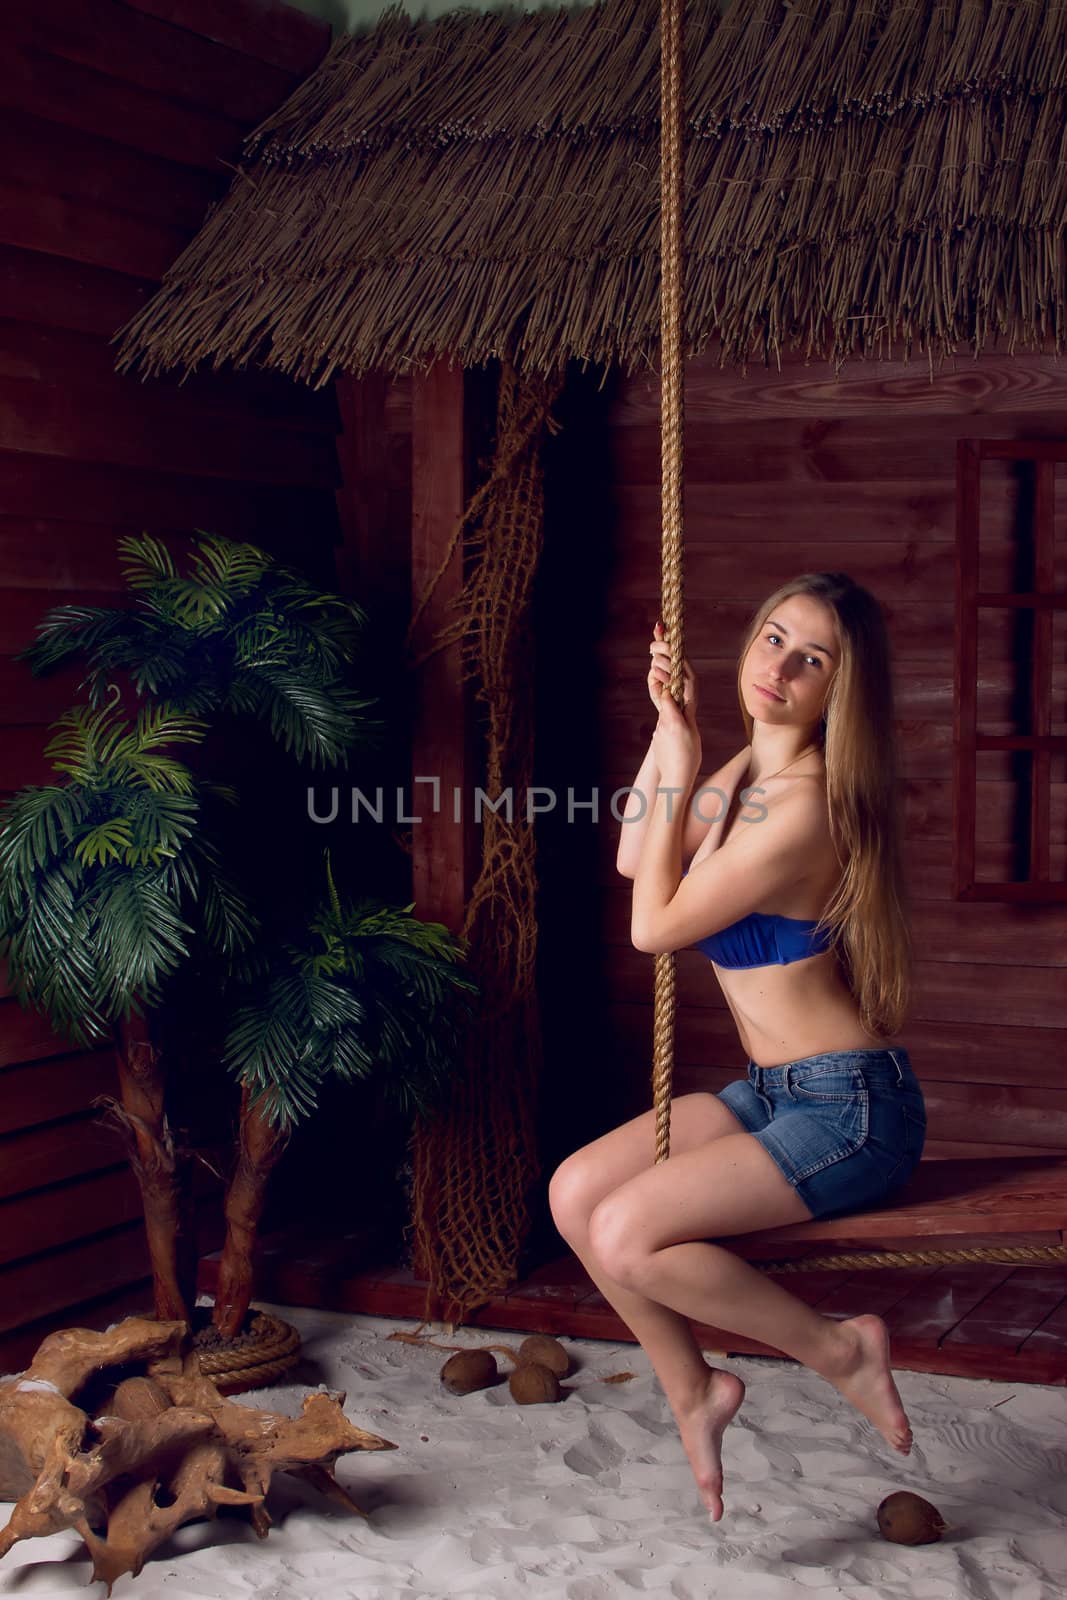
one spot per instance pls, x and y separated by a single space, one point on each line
1043 600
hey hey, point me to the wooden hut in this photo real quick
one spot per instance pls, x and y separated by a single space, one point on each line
875 316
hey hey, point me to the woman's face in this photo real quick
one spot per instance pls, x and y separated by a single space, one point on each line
796 654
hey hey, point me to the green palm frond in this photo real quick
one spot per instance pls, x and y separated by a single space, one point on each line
68 989
231 631
347 1055
109 840
71 630
39 936
196 606
248 695
159 772
142 937
145 561
308 719
236 568
381 995
162 824
259 642
36 825
229 924
268 1048
75 747
330 1005
163 724
292 1097
221 791
156 660
98 746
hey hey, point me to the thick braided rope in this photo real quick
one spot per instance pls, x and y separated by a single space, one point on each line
266 1352
672 420
1008 1255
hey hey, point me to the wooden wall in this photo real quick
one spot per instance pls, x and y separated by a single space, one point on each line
120 123
787 472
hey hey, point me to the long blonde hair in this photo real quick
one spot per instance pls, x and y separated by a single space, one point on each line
869 913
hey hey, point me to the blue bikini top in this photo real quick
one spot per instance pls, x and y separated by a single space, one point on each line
763 939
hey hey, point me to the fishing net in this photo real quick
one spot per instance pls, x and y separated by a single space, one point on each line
474 1162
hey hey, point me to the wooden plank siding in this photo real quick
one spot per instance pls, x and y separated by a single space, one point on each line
120 121
791 471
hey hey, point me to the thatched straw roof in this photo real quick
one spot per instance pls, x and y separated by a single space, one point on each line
487 184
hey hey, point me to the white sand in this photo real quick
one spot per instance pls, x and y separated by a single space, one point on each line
592 1499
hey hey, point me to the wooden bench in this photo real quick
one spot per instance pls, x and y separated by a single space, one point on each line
948 1205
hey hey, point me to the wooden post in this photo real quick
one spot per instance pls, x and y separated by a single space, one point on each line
444 856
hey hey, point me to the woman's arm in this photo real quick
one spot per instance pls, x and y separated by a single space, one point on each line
641 801
640 804
671 912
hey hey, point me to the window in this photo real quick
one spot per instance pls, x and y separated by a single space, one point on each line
1010 734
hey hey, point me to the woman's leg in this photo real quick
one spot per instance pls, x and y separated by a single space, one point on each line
696 1392
637 1228
647 1234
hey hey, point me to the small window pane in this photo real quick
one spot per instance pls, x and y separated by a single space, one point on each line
1002 846
1059 674
1004 669
1006 526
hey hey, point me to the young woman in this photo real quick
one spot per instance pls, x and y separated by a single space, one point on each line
784 867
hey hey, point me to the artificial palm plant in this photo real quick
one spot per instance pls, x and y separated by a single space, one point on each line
106 879
367 991
113 880
234 633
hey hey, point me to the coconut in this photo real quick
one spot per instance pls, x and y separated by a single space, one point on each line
468 1370
546 1352
906 1518
138 1400
533 1385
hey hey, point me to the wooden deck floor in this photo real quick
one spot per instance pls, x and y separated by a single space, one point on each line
1001 1322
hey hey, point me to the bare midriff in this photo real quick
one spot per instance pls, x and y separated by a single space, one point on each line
802 1008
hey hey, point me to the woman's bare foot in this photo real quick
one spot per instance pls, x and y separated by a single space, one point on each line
862 1374
702 1426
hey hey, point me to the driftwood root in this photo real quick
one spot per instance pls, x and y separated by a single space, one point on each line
165 1447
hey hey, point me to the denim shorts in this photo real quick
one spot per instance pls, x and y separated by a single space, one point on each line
846 1127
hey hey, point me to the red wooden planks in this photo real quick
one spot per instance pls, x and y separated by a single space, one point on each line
86 232
36 1287
17 1347
86 361
44 1155
266 30
122 497
1049 1338
48 1218
964 393
443 856
930 1311
47 1080
141 49
876 1290
558 1297
141 428
103 172
1007 1317
86 98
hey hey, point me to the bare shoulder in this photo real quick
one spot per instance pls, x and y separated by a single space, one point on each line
804 818
794 810
730 771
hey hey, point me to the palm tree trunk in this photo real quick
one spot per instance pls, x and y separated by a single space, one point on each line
260 1147
161 1173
